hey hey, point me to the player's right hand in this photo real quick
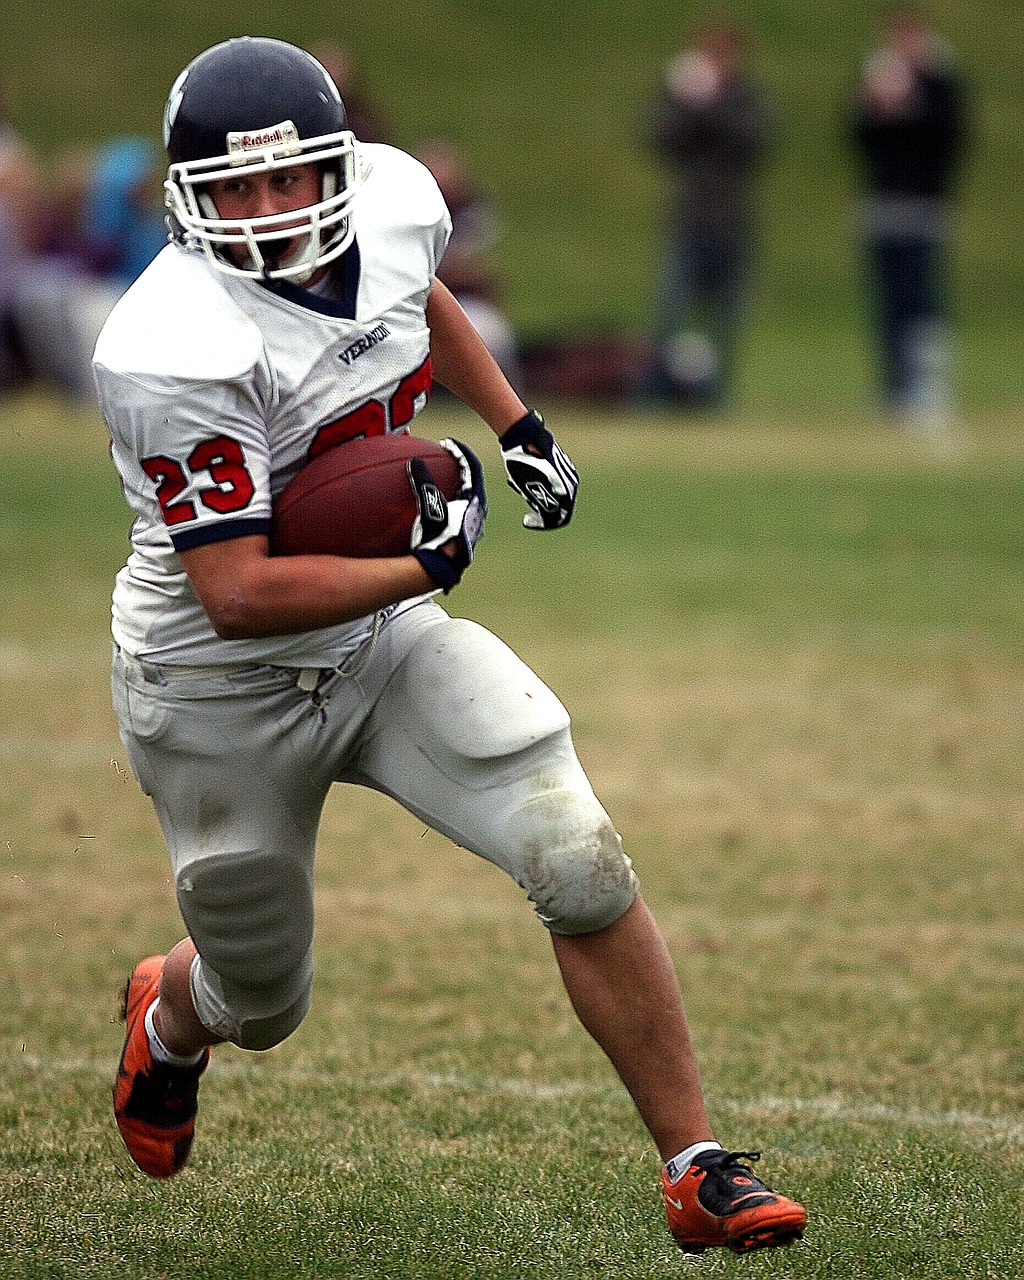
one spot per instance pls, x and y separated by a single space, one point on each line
445 532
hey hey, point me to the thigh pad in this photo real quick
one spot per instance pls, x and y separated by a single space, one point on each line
471 688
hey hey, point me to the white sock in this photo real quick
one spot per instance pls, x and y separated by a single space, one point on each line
679 1164
160 1051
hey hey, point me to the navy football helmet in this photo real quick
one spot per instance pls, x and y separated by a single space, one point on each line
258 104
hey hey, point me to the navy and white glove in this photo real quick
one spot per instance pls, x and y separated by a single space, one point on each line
540 472
439 521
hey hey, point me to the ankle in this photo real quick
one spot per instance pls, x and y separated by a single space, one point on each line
159 1049
678 1165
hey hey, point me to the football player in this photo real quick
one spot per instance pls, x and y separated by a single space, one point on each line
296 308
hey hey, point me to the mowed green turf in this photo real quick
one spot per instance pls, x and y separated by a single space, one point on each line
793 655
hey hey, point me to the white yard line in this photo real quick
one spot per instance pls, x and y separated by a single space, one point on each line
1004 1128
31 750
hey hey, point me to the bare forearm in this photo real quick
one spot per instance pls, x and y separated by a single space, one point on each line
280 595
462 362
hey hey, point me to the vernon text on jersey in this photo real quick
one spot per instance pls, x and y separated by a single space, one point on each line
361 345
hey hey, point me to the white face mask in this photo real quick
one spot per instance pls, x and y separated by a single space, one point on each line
321 231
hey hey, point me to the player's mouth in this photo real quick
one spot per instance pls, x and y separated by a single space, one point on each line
276 252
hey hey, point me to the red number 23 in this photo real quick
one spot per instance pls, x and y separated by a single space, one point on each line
222 459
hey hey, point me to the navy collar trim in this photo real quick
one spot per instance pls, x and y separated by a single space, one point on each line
347 271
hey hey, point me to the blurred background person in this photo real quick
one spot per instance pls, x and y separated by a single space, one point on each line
466 267
74 233
907 127
92 224
123 213
366 117
20 186
712 125
40 336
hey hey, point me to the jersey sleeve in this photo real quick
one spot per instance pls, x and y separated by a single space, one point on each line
184 387
194 461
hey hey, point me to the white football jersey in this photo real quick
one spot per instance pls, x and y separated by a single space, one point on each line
216 390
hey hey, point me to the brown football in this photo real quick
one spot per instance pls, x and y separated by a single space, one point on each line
356 500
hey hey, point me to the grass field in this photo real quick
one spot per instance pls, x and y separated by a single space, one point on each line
794 653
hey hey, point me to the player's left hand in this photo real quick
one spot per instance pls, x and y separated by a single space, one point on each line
540 472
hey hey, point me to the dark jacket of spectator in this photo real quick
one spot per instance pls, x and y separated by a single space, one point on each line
916 151
714 143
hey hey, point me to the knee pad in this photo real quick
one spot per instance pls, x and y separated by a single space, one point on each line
264 1033
574 869
250 915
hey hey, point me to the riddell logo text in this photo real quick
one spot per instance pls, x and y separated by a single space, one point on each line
282 138
361 345
250 140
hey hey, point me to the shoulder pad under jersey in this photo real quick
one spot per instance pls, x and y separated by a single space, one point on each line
398 187
178 321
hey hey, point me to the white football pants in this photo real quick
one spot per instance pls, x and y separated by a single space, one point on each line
439 714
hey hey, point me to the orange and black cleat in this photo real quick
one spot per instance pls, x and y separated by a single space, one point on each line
719 1201
154 1103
